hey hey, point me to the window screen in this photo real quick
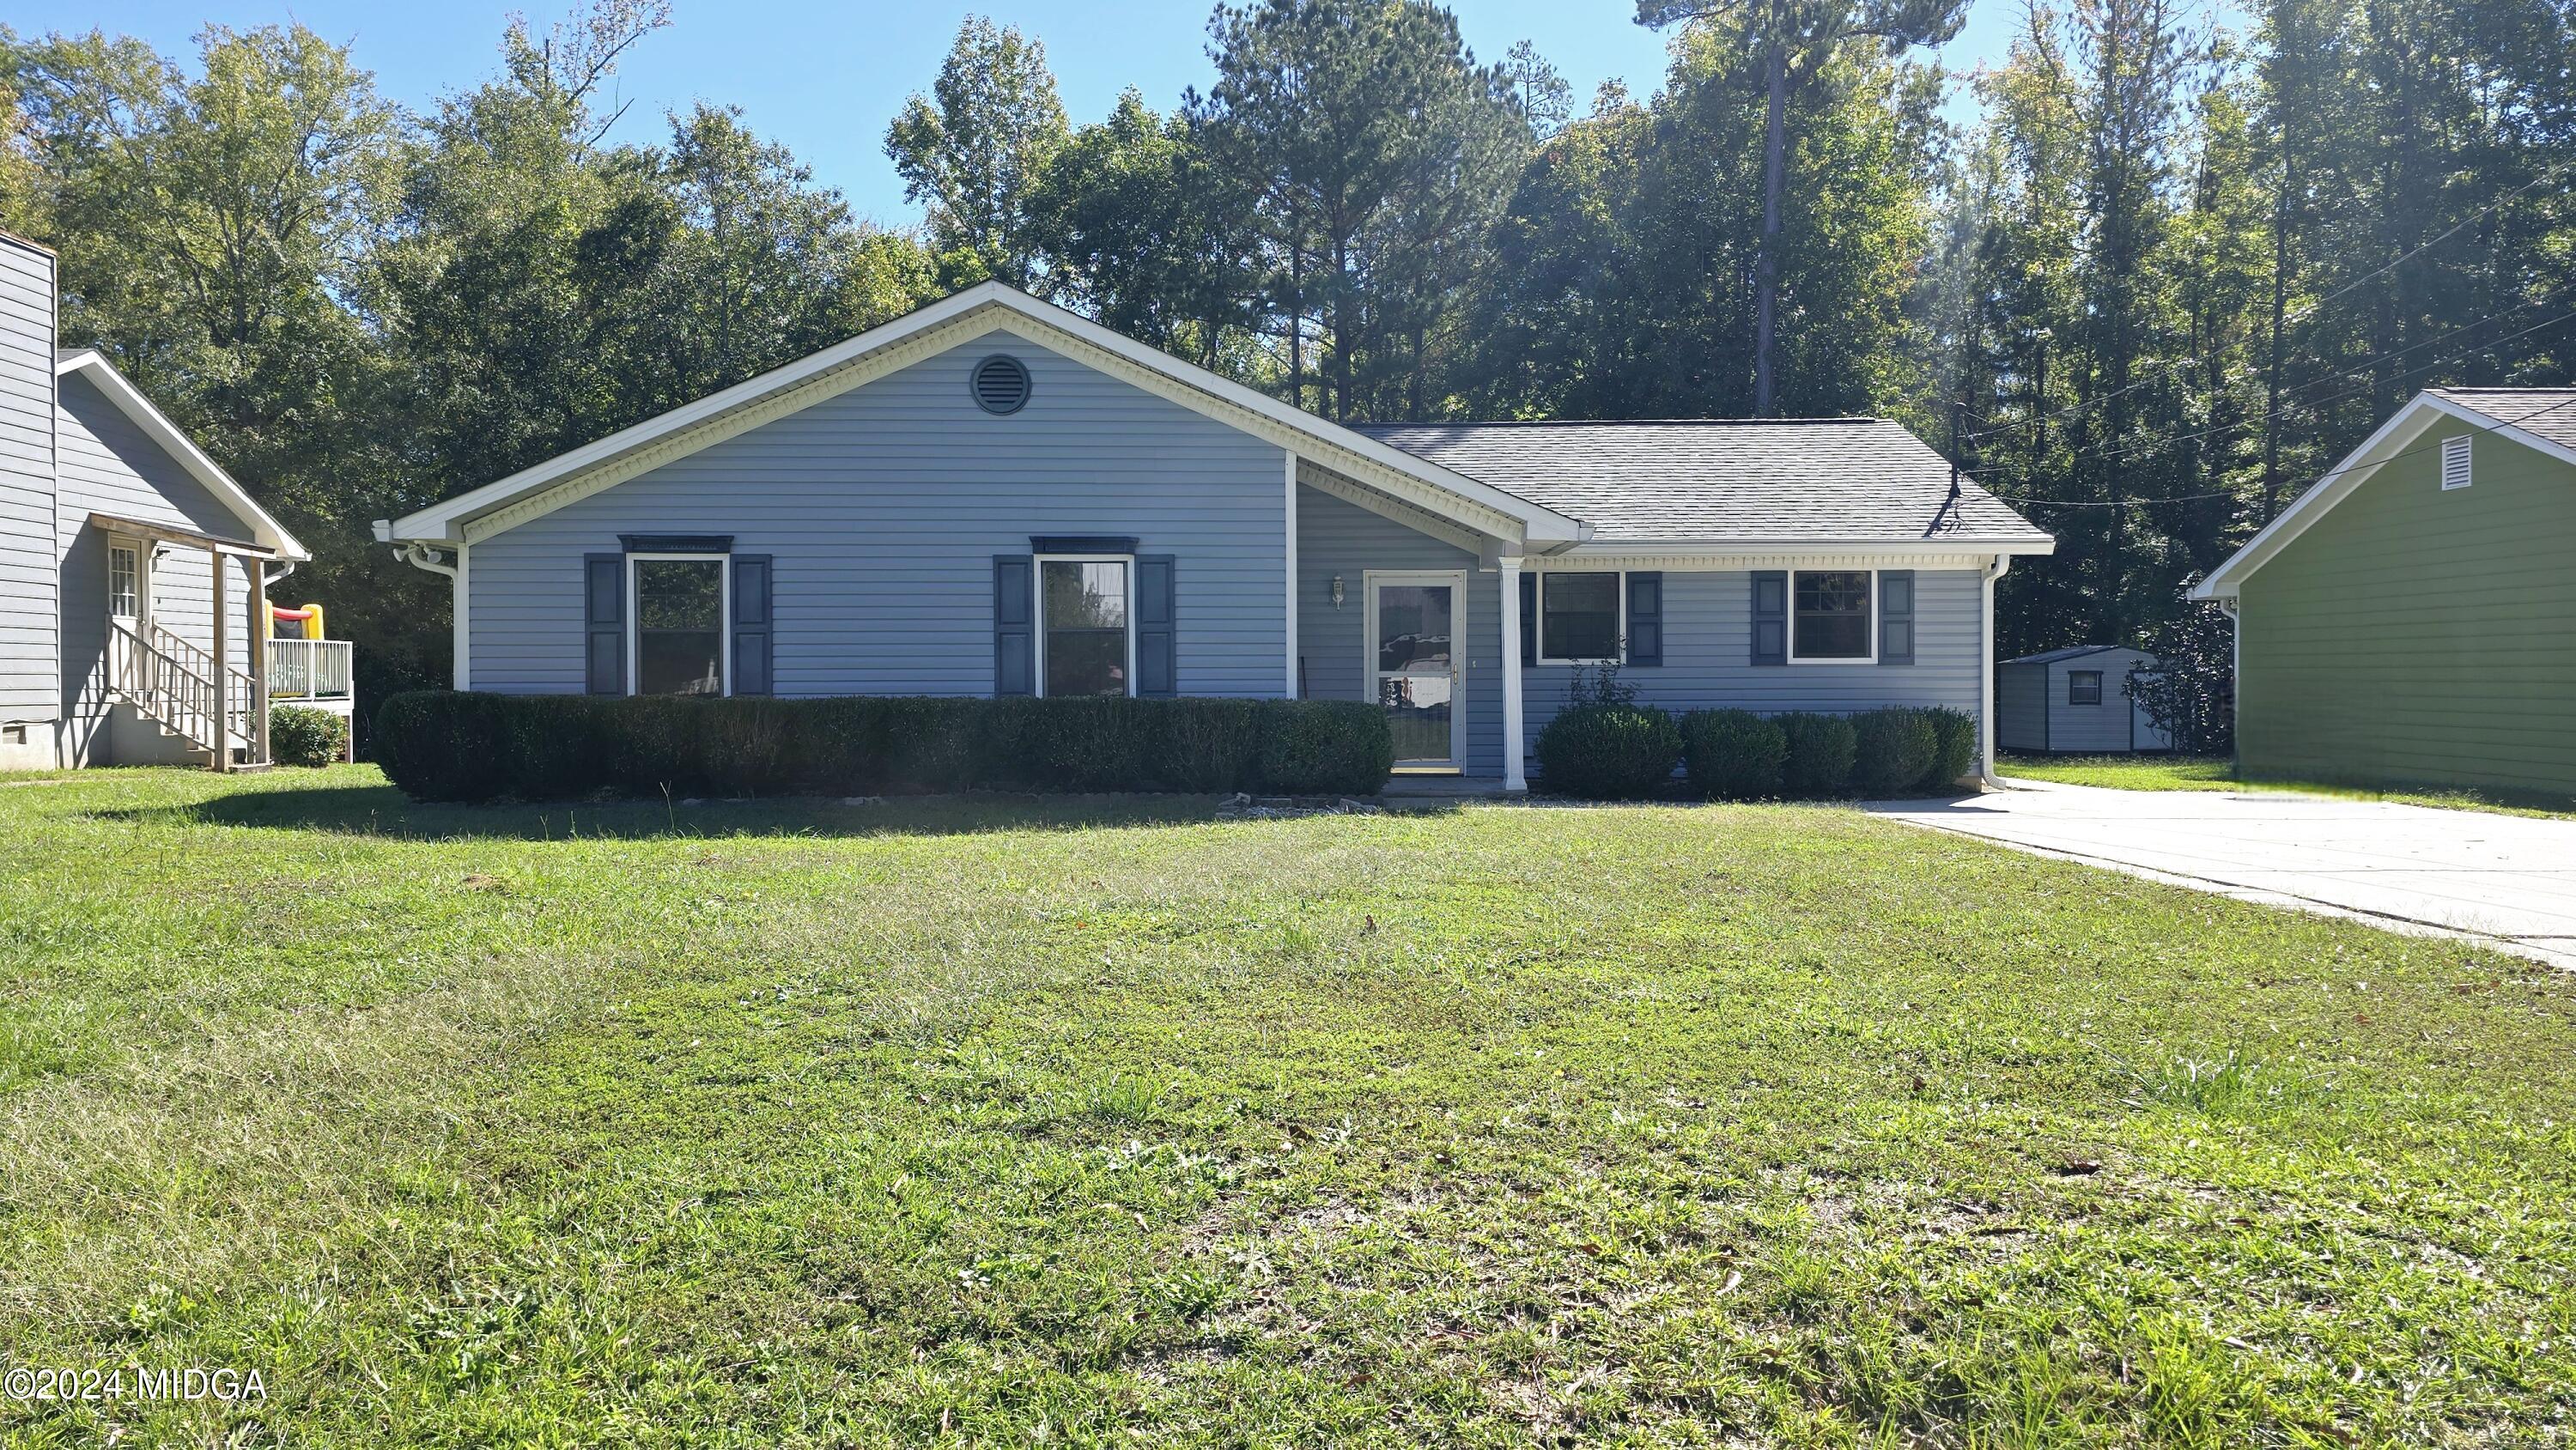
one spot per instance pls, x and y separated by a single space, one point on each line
679 626
1831 612
1579 616
1083 607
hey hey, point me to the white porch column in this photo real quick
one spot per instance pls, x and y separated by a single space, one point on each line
1986 668
1291 687
464 664
1510 570
222 671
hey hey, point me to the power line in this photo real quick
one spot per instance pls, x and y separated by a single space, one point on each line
2308 309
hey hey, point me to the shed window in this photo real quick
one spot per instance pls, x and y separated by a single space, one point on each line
2084 687
1086 645
2455 462
1830 616
679 626
1578 617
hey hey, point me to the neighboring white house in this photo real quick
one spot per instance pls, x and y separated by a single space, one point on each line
2075 701
994 496
134 572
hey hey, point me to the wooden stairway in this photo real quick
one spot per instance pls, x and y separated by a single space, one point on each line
172 682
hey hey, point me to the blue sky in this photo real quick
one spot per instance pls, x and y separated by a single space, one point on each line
825 78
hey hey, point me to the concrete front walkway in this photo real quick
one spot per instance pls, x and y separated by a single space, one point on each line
2508 881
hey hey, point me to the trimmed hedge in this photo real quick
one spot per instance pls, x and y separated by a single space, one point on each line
1608 751
1892 750
302 735
1954 751
450 746
1821 752
1734 754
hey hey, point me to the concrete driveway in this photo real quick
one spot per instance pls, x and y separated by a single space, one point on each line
2507 881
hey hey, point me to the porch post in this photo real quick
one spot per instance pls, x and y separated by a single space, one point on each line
1291 620
259 627
222 676
1510 570
1986 653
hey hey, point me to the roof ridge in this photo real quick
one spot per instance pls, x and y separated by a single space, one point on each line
1625 422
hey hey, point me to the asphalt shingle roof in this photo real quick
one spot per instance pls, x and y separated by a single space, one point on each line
2544 412
1839 480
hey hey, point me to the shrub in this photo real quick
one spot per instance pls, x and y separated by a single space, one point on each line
1821 750
1893 750
1733 754
1608 751
443 745
1954 751
299 735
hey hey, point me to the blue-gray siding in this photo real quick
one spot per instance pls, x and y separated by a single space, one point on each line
109 466
28 640
2037 711
1708 648
1335 537
883 508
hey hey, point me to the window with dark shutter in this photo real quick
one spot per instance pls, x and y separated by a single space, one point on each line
1529 618
751 625
1646 617
604 622
1157 634
1896 617
1770 617
1014 620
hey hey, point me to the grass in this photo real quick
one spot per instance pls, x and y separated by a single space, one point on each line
1114 1124
2200 772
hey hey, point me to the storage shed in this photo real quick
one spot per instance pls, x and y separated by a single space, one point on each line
2074 701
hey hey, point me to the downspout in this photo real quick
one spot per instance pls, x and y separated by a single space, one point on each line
422 556
2230 606
1986 673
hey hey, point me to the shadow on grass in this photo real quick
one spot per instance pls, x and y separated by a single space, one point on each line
384 811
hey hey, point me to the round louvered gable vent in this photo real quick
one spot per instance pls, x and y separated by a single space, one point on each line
1001 384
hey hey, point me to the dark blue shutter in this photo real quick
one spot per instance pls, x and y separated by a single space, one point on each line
1896 617
1529 618
751 615
1646 617
1014 647
603 595
1157 670
1770 617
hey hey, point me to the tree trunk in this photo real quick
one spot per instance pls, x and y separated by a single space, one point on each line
1766 264
2272 379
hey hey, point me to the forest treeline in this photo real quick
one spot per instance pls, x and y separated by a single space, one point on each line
2171 274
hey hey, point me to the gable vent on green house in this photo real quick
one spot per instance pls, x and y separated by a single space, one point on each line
2455 462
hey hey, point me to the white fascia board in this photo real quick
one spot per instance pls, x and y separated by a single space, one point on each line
138 409
1683 554
1190 385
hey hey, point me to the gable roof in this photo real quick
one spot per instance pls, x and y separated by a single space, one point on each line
2543 419
1729 481
955 319
2071 652
94 368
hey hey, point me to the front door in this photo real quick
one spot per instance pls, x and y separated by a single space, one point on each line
1418 665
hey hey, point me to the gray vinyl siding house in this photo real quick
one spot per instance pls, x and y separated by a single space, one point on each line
994 496
95 482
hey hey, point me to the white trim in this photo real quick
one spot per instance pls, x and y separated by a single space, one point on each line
1789 646
1037 615
2357 468
137 552
635 614
1682 554
686 429
1995 569
138 409
1391 508
1538 619
1288 532
1456 580
1514 748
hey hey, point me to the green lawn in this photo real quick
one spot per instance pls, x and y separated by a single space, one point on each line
2202 772
1003 1123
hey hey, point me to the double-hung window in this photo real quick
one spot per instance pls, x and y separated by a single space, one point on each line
1086 625
1579 619
1831 617
681 602
2084 687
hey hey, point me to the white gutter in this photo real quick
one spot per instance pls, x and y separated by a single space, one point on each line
1986 673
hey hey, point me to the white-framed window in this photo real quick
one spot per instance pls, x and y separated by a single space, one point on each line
124 579
679 633
2455 462
1833 617
1086 625
2084 687
1582 616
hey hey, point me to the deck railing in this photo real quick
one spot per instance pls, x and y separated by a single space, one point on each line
308 669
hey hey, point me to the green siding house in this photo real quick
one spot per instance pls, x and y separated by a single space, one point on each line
2412 617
